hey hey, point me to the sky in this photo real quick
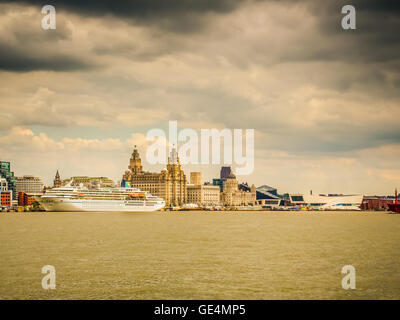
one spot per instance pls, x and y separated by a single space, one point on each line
324 102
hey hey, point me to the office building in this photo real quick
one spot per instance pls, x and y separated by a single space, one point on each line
6 173
27 199
376 203
219 183
29 184
3 184
169 184
6 198
224 174
203 194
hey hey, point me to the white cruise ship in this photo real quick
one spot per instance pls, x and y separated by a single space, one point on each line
79 198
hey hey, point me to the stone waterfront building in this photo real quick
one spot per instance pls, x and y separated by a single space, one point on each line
200 194
169 184
233 196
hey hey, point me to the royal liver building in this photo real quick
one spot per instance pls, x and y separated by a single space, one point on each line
170 184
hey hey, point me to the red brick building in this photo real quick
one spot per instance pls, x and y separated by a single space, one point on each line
26 199
376 203
6 198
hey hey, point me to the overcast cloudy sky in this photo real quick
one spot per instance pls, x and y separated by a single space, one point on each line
324 102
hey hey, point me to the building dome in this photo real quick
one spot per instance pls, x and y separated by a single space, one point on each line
231 176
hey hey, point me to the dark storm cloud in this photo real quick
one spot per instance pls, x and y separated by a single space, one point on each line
177 15
28 53
15 60
136 8
375 39
171 9
25 46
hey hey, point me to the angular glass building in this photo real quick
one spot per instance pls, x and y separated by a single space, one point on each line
6 173
220 183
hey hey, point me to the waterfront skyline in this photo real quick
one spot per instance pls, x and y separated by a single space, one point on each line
324 103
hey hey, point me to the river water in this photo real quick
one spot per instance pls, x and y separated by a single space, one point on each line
200 255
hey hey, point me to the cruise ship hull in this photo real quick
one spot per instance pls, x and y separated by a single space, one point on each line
65 205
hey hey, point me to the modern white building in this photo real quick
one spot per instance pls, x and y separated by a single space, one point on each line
267 197
3 184
29 184
327 202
